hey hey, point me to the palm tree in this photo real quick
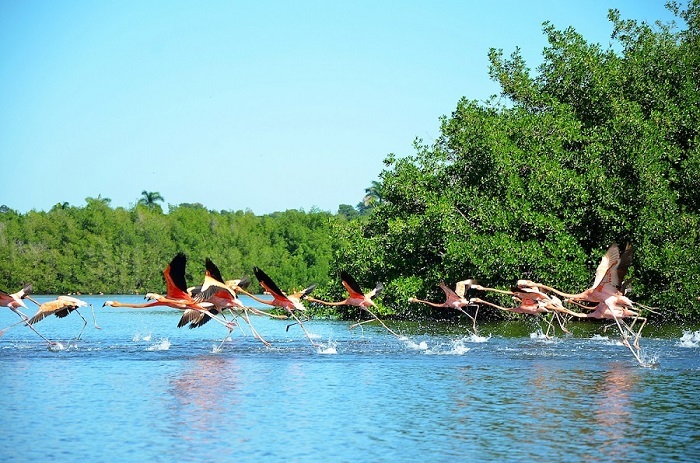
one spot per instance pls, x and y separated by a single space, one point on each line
373 194
150 198
98 200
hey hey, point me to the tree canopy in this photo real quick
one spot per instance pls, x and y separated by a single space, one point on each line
599 145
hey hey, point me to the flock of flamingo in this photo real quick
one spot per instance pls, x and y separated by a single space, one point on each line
605 299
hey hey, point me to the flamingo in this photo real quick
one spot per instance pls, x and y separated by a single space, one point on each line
609 277
606 289
14 302
61 307
223 297
176 295
531 302
358 299
291 303
453 299
614 310
528 305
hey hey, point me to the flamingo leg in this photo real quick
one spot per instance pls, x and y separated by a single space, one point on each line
625 342
639 332
355 325
94 319
255 311
84 324
229 325
218 348
559 318
549 326
382 323
24 319
473 319
308 336
255 333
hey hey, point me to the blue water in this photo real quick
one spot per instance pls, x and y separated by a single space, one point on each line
141 389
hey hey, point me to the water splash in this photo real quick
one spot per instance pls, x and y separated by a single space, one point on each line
649 360
138 337
689 339
459 347
413 345
163 344
56 346
455 347
477 338
327 349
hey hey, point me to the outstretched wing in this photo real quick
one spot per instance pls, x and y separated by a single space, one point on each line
623 266
302 294
461 286
351 285
175 277
611 258
376 291
214 284
267 283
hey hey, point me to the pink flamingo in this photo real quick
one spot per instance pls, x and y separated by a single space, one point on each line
61 307
357 298
454 299
609 277
291 303
14 302
176 295
222 295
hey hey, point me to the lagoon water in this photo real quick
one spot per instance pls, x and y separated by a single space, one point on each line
140 389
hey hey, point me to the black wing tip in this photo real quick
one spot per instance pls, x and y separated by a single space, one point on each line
244 283
213 270
308 291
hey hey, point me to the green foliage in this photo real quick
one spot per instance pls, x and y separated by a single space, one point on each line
598 146
99 249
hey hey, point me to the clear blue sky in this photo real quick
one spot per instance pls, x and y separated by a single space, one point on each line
260 105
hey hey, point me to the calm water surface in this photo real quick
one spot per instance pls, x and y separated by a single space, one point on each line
140 389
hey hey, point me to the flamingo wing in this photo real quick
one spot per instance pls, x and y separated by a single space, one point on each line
270 286
243 283
623 266
302 294
461 286
61 307
448 291
175 278
351 285
376 291
607 262
214 284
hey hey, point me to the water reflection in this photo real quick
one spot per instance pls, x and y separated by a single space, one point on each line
613 412
204 396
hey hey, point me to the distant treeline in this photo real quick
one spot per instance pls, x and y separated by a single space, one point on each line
96 248
600 145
